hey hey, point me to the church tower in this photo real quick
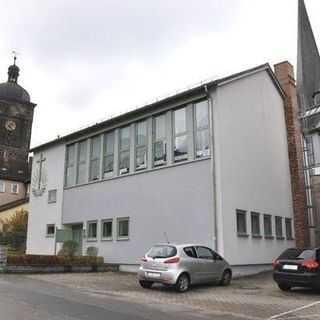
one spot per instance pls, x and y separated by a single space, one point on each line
16 116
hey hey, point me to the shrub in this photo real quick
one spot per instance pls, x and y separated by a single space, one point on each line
92 251
69 249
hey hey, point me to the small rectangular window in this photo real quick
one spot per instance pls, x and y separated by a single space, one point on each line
159 140
14 188
180 135
267 224
202 145
92 230
70 161
124 148
279 231
108 154
50 230
2 186
255 224
106 229
82 162
241 222
52 196
123 228
289 228
95 158
141 145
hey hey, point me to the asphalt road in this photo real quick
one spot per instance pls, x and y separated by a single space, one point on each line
30 299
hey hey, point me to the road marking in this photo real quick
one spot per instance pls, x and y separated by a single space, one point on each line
294 310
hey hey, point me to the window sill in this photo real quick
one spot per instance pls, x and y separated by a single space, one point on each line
257 236
269 237
243 235
50 202
123 239
291 238
49 235
280 238
106 239
92 240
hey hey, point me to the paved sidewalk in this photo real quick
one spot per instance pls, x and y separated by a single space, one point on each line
255 297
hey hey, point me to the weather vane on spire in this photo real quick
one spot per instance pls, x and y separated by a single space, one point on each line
15 53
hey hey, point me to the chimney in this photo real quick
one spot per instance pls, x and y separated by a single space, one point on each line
285 75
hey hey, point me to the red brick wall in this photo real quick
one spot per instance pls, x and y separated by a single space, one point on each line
285 74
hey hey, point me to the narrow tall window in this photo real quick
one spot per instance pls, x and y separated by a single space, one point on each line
202 145
289 229
52 196
279 231
123 228
95 158
82 162
159 140
124 147
108 154
255 224
70 161
92 230
2 186
106 229
241 222
180 135
141 145
267 224
14 188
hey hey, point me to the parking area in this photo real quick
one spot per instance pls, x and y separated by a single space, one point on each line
255 297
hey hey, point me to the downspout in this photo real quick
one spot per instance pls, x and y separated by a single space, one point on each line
213 168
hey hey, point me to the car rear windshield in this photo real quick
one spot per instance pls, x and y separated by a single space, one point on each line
297 254
162 252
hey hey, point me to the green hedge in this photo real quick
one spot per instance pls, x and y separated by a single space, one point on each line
42 260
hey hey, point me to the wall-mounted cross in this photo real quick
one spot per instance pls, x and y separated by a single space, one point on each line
40 161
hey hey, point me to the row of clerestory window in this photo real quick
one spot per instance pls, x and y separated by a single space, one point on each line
178 135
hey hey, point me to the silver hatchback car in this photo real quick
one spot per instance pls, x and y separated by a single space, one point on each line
182 265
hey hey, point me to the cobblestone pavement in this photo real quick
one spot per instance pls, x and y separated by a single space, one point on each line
255 297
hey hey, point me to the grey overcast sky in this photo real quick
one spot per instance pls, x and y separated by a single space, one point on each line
84 61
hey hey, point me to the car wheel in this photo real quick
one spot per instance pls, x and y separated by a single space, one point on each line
146 284
226 278
284 287
183 283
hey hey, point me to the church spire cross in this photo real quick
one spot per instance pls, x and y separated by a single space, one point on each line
13 71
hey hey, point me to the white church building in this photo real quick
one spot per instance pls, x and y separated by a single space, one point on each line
208 165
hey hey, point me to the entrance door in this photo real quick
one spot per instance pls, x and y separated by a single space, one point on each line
77 235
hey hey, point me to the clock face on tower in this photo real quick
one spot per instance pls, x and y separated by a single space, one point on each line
10 125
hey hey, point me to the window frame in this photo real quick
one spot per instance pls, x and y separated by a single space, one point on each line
175 136
253 215
50 235
277 219
124 171
266 235
92 239
97 158
14 184
82 162
119 220
106 154
289 236
157 140
240 212
55 198
2 186
70 165
197 130
141 146
103 221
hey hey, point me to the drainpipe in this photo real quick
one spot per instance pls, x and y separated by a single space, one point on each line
213 168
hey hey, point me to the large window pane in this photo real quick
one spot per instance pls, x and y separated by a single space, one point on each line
180 123
70 170
82 162
124 162
181 137
181 148
108 151
201 111
202 114
124 157
159 140
202 143
125 138
141 145
95 158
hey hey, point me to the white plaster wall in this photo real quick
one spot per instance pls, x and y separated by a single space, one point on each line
252 165
176 200
42 212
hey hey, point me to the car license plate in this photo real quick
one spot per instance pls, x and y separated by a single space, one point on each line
289 267
153 275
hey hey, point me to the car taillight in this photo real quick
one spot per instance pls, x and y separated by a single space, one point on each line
310 264
172 260
144 260
275 263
